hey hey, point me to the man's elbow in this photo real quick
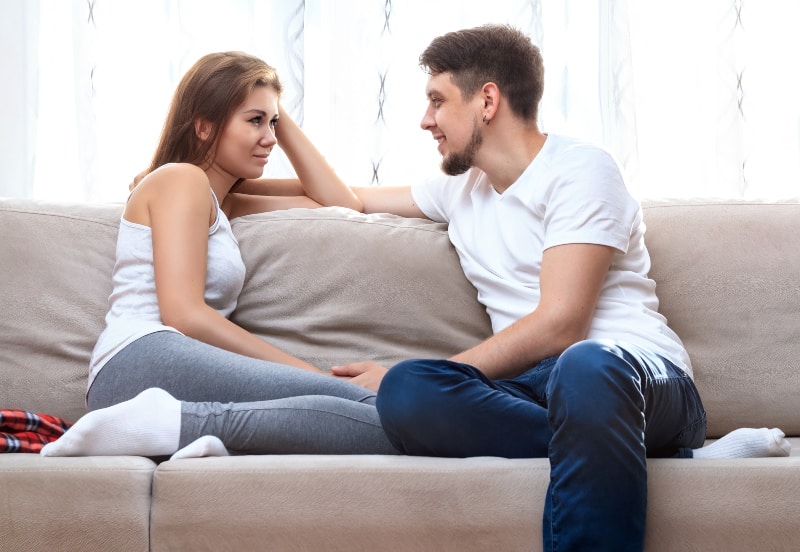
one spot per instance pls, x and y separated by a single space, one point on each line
569 333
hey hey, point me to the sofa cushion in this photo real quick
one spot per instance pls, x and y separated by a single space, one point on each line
466 504
334 285
57 260
345 502
87 504
728 277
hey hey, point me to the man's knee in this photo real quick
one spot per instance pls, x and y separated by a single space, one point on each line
595 378
406 389
404 400
590 360
416 390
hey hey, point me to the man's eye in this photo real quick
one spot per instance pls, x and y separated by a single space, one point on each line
436 102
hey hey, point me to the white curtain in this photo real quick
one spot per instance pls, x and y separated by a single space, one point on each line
695 99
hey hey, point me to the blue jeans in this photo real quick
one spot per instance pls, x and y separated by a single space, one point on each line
597 411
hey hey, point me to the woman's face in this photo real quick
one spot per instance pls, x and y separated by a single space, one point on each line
249 136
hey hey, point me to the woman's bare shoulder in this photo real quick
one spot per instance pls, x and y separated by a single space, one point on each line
178 170
171 182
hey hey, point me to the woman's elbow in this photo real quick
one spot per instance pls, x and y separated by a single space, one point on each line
183 319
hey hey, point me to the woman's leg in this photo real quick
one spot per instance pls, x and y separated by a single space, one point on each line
253 406
194 371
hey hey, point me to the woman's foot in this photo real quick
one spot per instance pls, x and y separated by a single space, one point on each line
207 445
147 425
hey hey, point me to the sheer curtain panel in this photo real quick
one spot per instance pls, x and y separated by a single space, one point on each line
695 99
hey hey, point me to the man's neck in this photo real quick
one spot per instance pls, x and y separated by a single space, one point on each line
504 156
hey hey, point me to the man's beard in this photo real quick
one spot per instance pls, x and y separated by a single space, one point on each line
459 162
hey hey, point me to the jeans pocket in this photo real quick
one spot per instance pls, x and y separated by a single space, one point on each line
693 435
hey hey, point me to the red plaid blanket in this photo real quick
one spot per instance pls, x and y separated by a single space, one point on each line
22 431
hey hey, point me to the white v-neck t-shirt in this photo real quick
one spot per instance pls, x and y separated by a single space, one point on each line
572 192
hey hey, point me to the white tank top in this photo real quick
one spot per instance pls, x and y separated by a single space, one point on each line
133 304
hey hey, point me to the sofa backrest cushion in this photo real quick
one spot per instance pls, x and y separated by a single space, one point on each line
56 277
728 280
333 286
328 285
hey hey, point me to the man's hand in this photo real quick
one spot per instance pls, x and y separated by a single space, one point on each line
366 374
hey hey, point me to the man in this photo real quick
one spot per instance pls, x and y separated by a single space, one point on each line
581 367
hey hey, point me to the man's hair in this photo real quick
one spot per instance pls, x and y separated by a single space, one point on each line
210 91
490 53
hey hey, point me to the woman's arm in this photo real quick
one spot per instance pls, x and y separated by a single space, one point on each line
318 182
280 187
239 205
317 177
180 208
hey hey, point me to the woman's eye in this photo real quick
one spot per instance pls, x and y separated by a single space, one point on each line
256 120
274 122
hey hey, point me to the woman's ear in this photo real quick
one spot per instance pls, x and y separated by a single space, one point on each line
202 129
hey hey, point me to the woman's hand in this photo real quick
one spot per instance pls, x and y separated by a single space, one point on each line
366 374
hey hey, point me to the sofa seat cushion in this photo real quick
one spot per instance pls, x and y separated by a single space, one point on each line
87 504
420 503
360 502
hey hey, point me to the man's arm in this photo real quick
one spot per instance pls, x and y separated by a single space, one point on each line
375 199
389 199
571 280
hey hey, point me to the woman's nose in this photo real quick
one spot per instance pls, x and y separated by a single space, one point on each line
268 138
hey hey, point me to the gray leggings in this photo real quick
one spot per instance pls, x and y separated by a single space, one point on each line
253 406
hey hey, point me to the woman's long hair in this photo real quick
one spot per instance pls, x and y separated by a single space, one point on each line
209 92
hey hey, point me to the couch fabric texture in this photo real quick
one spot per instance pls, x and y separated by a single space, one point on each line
332 286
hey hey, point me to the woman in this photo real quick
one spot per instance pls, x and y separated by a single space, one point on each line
170 362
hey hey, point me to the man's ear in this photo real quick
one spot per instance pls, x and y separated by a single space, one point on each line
202 129
490 94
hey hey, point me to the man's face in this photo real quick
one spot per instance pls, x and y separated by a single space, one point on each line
453 122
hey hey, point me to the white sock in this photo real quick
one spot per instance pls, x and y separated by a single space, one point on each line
747 442
207 445
147 425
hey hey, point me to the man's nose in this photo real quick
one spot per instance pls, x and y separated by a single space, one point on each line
427 121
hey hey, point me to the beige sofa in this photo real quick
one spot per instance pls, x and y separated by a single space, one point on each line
333 286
